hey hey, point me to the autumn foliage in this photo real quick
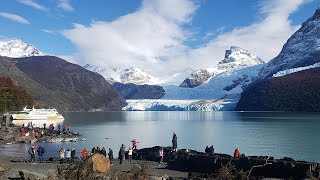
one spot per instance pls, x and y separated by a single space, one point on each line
12 97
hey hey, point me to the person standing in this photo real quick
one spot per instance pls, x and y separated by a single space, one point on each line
84 153
68 155
236 153
134 144
161 154
174 142
103 152
41 151
32 153
121 154
61 153
73 154
130 154
110 154
44 125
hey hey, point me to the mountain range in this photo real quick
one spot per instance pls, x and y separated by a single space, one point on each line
241 80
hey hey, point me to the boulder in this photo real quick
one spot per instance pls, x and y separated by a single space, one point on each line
96 163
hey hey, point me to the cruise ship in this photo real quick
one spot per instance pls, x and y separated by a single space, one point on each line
37 114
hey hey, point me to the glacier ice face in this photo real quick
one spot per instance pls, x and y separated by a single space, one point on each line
16 48
178 105
219 93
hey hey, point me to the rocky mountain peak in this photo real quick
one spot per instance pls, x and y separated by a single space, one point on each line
238 55
235 58
16 48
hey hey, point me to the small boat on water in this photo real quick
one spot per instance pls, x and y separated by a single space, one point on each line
37 114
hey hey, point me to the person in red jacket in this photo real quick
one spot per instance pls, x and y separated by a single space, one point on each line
237 153
134 144
84 153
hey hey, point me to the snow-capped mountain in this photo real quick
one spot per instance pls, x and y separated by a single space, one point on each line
16 48
235 58
124 75
302 49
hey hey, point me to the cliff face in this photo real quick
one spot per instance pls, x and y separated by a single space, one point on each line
54 82
294 92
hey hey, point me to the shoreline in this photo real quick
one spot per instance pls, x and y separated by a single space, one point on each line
176 165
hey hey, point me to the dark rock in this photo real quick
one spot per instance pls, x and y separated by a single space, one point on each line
196 78
133 91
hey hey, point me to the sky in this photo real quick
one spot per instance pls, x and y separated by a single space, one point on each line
159 36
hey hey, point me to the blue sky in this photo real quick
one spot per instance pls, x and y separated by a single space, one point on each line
150 32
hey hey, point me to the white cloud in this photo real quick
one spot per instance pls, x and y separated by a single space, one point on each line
65 5
48 31
152 38
33 4
138 39
264 38
14 17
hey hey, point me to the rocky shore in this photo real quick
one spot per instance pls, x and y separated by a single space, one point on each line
12 134
183 164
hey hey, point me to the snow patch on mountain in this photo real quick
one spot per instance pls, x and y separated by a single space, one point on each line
235 58
16 48
124 75
293 70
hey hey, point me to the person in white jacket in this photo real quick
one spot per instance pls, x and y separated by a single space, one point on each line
68 155
61 152
130 154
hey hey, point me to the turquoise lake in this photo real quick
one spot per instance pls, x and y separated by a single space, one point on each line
278 134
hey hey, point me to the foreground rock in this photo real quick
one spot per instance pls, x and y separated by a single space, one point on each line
93 167
215 165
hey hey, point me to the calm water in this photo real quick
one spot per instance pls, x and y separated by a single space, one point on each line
265 133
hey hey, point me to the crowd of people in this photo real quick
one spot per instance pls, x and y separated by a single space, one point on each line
70 154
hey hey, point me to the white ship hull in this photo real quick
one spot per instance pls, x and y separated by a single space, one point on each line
36 117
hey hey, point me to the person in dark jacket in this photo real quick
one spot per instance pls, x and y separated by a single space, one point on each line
32 153
174 142
103 152
110 154
122 154
211 150
73 154
93 151
41 151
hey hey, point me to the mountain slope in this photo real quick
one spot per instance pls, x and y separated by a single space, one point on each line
235 58
133 91
289 82
301 49
294 92
79 88
16 48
